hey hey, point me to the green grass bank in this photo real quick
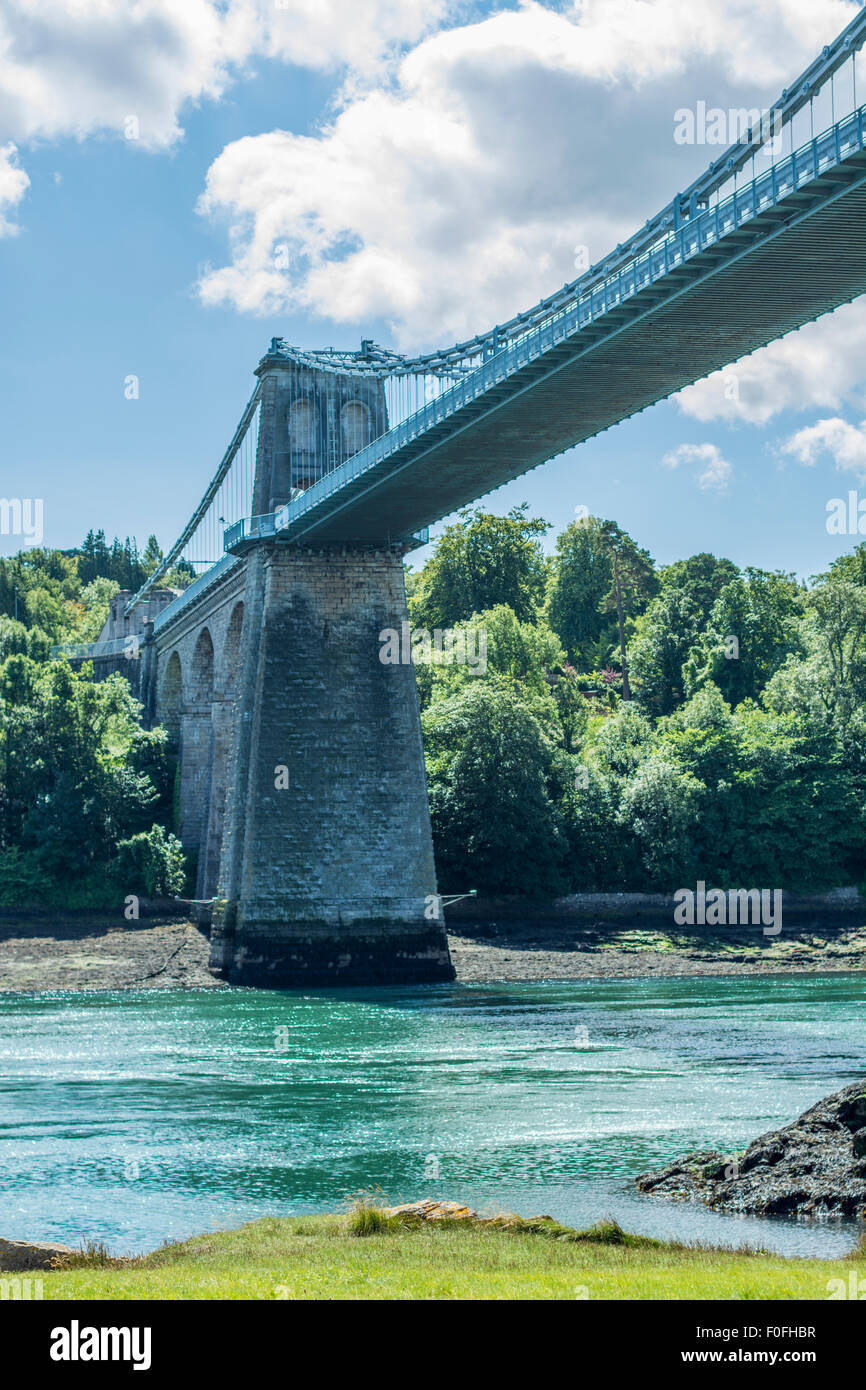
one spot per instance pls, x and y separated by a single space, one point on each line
367 1254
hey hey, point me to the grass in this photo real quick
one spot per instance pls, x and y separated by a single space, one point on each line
368 1253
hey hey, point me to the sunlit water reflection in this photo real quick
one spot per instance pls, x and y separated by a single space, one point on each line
140 1117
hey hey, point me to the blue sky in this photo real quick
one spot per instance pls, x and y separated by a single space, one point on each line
431 169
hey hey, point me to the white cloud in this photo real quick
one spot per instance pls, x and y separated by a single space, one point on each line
328 34
716 472
456 181
456 194
129 67
821 364
844 443
77 67
13 185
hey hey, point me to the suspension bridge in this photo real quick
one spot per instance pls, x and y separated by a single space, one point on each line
266 667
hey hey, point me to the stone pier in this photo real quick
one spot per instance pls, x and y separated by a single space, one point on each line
301 783
327 868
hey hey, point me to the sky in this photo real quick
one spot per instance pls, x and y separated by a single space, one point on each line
181 182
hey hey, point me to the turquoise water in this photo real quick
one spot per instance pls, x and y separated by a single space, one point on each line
141 1117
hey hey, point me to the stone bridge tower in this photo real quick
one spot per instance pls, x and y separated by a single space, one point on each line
302 773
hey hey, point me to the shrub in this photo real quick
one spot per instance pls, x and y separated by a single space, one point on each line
151 863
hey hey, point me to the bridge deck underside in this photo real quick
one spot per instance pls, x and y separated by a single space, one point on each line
791 264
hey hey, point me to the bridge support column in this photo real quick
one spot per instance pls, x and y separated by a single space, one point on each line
209 853
327 872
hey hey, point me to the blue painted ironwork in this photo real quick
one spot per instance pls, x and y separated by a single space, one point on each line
249 529
817 157
88 651
690 225
206 504
189 596
683 207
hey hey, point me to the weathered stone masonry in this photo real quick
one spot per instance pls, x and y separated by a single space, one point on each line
302 782
272 677
330 877
190 685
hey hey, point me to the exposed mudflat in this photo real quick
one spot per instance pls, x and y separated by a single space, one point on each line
610 952
174 954
164 955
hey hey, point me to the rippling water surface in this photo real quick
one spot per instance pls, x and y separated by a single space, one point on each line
137 1118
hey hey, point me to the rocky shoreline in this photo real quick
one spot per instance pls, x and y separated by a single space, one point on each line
38 956
90 952
814 1167
507 952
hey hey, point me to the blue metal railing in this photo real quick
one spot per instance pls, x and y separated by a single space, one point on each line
87 651
721 174
840 142
249 528
252 528
216 571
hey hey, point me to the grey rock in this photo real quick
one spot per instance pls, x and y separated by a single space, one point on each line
26 1254
813 1167
852 1112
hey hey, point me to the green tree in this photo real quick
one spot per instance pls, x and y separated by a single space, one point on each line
152 556
601 850
94 557
753 626
824 685
572 707
482 561
152 863
18 640
494 643
95 599
661 806
781 807
659 647
77 771
495 788
850 567
839 611
620 744
581 577
700 577
633 584
671 625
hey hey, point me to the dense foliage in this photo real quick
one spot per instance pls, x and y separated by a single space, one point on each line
81 784
739 758
65 593
481 561
609 725
85 791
